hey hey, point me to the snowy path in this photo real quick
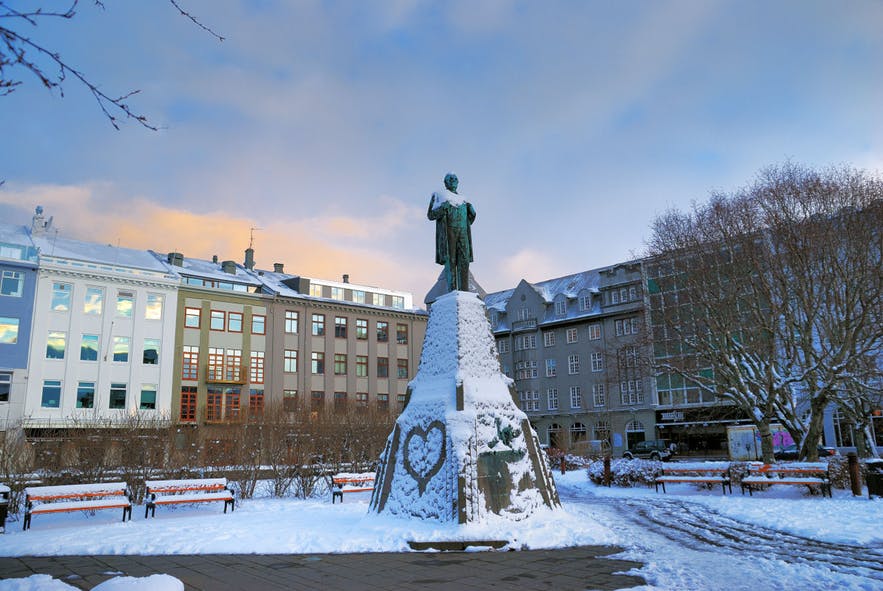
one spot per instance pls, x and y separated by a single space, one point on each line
690 546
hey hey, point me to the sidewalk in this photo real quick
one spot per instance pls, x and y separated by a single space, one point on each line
565 569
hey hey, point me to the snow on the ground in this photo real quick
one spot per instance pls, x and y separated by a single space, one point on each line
47 583
591 515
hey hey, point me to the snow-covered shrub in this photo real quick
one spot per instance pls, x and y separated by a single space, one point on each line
626 473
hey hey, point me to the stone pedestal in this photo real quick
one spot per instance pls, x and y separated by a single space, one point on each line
462 450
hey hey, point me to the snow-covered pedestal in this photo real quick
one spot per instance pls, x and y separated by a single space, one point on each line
462 449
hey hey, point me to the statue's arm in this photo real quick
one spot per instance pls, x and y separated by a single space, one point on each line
433 213
470 212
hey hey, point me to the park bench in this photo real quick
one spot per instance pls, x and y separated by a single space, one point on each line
807 474
194 490
77 497
350 483
698 472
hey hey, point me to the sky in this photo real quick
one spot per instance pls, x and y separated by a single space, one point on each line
327 125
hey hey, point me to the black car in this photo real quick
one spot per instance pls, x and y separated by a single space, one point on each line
792 452
653 449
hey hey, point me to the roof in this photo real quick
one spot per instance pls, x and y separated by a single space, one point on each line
108 254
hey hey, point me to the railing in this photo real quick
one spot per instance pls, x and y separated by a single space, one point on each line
226 375
529 324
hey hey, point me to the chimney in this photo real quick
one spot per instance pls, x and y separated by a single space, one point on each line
176 259
277 268
249 259
215 259
229 267
346 278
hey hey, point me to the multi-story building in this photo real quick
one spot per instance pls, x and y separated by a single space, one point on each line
18 280
102 333
576 348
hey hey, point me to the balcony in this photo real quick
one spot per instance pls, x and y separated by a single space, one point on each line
226 375
521 325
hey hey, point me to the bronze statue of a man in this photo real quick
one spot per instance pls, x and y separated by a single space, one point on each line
453 217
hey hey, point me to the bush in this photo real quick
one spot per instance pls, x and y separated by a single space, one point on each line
625 473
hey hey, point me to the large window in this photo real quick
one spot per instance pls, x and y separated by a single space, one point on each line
153 311
256 401
595 331
289 400
190 364
337 293
151 352
626 326
125 304
358 296
86 395
55 345
549 338
291 320
340 327
551 369
61 297
561 307
188 404
192 317
318 325
402 367
316 290
402 334
361 366
631 392
12 284
8 330
51 394
597 362
339 401
552 398
383 367
378 299
398 302
317 362
89 347
599 395
382 331
117 395
503 345
289 361
214 403
572 335
148 397
526 341
573 364
217 320
258 324
234 321
340 364
361 329
93 302
233 366
576 397
121 349
530 400
257 367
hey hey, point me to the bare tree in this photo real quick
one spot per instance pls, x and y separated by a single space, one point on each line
21 51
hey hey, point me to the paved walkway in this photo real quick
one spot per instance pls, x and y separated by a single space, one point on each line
560 570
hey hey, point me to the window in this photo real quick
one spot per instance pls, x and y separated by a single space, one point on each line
55 345
627 326
377 299
258 324
552 398
233 366
86 395
234 321
148 397
633 293
561 307
631 392
597 362
256 401
595 331
382 331
5 386
256 368
361 329
525 370
526 341
340 364
551 369
190 364
125 304
602 430
577 433
340 327
153 311
61 297
398 302
117 395
383 367
362 399
12 284
317 400
93 302
402 334
316 290
336 293
549 338
231 402
636 325
191 317
400 398
503 345
289 400
89 347
530 400
576 397
585 303
151 352
382 401
188 404
318 325
218 318
121 349
573 364
339 400
361 366
572 335
8 330
51 394
291 319
402 367
614 297
628 357
318 362
524 313
358 296
289 361
599 395
215 363
213 403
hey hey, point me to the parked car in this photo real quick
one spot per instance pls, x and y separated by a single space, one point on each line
792 452
652 449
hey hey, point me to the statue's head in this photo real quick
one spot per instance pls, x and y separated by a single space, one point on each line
451 182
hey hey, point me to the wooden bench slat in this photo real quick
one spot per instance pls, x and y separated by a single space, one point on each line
805 474
196 490
77 506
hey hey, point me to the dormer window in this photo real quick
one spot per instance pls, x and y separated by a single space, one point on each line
561 307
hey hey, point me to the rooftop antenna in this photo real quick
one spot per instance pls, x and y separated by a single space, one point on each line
251 236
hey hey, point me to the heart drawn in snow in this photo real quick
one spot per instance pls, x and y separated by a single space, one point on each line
425 453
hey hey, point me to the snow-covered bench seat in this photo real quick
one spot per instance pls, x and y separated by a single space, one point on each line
77 497
696 472
194 490
346 482
808 474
